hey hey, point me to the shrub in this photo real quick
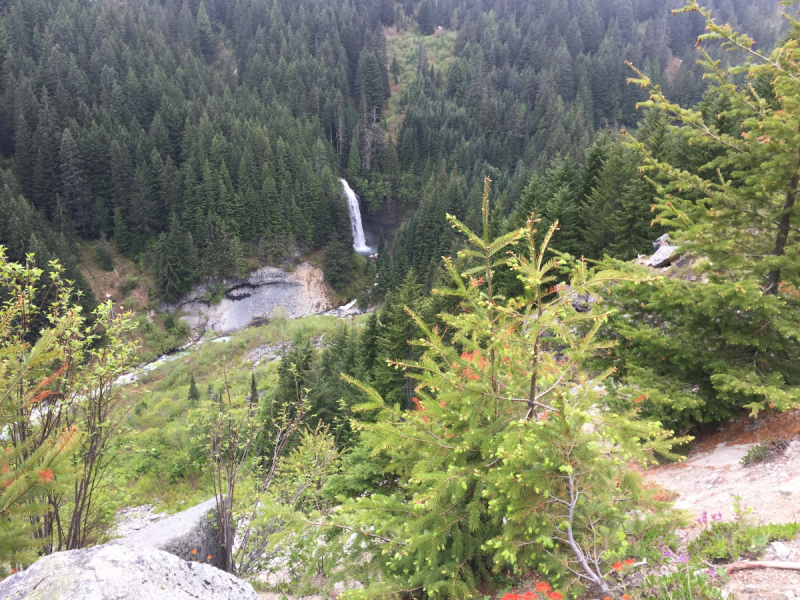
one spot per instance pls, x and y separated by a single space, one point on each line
725 542
764 452
127 285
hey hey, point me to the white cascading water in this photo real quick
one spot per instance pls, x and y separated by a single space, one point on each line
359 241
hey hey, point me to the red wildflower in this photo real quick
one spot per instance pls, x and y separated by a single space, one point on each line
194 551
629 561
468 372
626 597
555 596
543 587
415 400
208 557
617 566
441 403
45 476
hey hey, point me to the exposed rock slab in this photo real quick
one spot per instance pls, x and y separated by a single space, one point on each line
119 572
135 518
662 257
179 534
254 299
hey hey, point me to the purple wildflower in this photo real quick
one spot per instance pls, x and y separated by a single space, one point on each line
703 519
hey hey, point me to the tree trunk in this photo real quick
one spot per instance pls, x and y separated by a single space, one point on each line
774 277
409 384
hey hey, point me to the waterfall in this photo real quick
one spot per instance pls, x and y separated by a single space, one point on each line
359 242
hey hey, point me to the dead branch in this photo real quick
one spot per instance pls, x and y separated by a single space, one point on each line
762 564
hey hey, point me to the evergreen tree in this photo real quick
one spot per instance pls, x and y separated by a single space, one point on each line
194 394
426 17
338 262
207 42
253 397
397 331
699 352
103 253
76 197
121 234
354 161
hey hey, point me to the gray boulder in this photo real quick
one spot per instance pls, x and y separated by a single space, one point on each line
661 241
179 534
115 571
662 257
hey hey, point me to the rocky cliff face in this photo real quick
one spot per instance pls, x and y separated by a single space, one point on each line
254 299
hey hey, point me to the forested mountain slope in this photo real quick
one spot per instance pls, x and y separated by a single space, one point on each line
206 132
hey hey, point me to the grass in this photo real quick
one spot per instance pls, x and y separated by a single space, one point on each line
157 463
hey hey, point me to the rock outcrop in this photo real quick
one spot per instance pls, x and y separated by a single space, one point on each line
255 298
115 571
179 534
664 254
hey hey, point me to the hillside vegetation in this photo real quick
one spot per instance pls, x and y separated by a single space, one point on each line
489 421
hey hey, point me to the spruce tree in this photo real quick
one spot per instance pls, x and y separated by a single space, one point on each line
194 393
508 437
253 397
699 352
338 262
207 42
397 331
76 197
354 161
103 253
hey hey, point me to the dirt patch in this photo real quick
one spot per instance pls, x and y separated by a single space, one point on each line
128 285
712 473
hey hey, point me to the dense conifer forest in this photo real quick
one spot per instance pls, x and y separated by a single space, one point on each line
206 132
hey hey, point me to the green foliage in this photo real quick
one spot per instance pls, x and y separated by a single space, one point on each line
158 340
726 542
338 263
228 116
697 352
127 285
686 584
501 460
194 394
102 253
54 452
765 450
